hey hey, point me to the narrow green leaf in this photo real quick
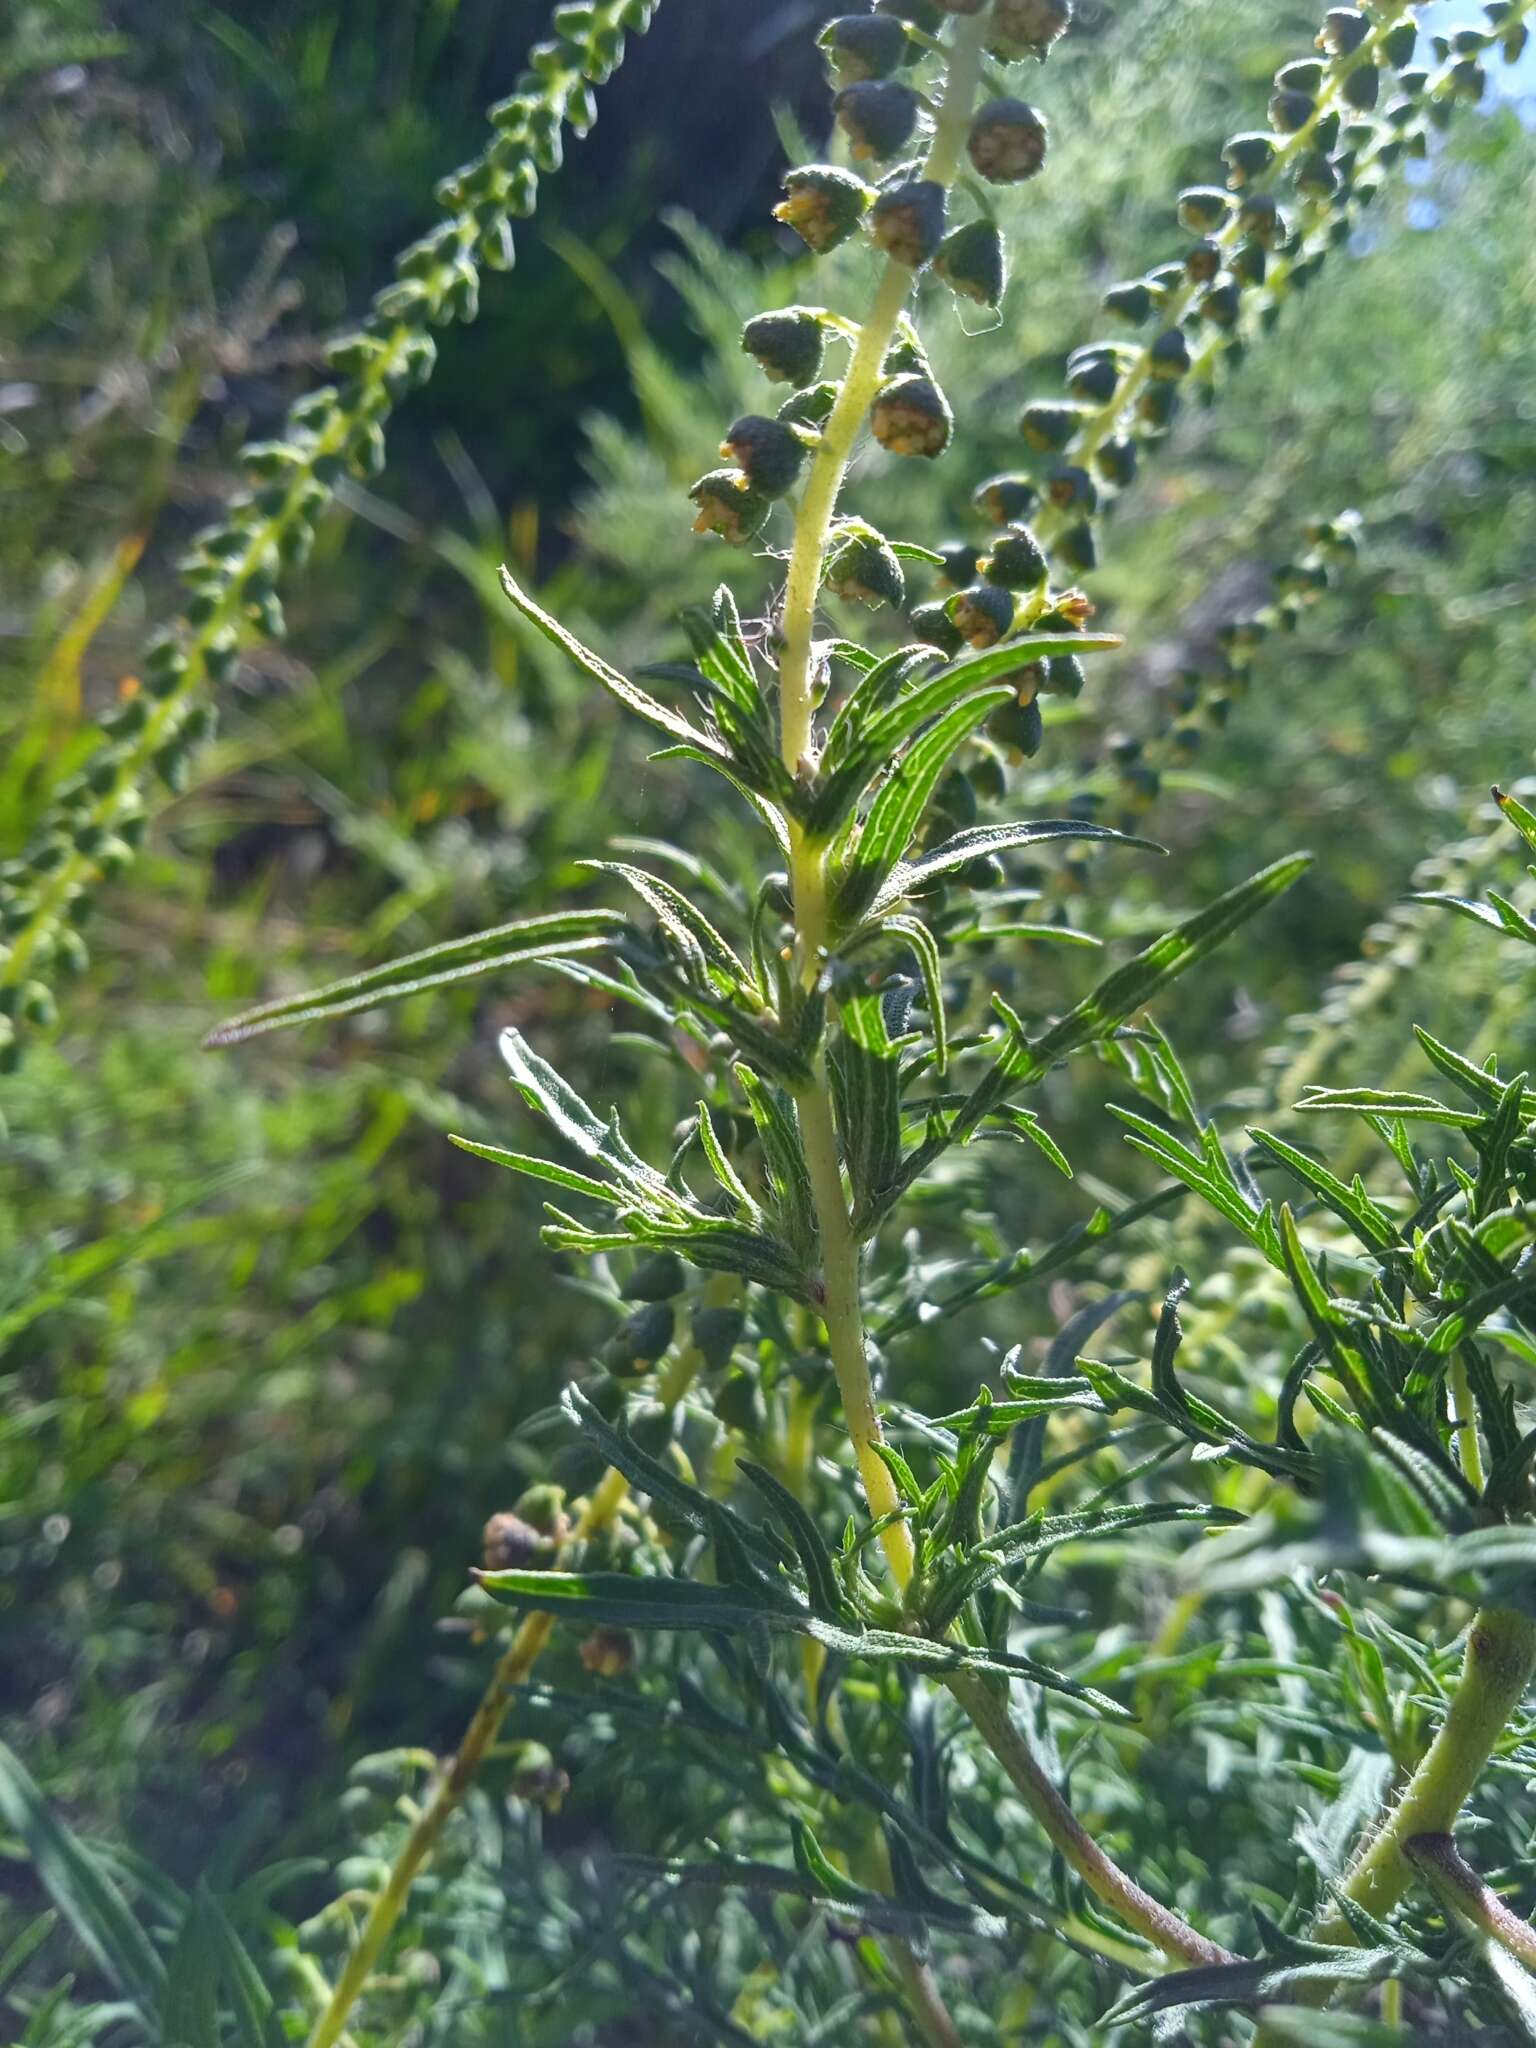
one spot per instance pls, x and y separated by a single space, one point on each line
980 840
508 945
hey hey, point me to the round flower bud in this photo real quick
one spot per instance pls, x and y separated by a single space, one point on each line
983 614
861 566
1362 87
878 117
1247 156
716 1333
509 1544
656 1278
641 1339
959 560
1003 499
770 454
809 408
1261 220
1115 460
789 346
1316 176
1049 425
608 1652
1027 28
1203 261
1093 374
911 416
1065 676
1290 111
1169 355
907 221
973 262
1077 546
933 625
1131 301
987 779
1203 207
1007 141
729 506
1398 44
1222 303
1157 404
1344 29
739 1402
861 46
1018 726
825 204
1304 75
1250 265
1016 561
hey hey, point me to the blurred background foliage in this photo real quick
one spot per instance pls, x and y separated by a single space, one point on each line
266 1340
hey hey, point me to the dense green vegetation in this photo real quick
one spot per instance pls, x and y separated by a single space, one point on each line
272 1350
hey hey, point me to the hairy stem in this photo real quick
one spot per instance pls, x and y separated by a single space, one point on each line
1437 1860
518 1660
1500 1663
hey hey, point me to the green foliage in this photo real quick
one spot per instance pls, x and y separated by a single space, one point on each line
911 1670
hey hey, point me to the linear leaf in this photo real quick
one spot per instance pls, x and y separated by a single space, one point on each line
979 840
641 702
506 945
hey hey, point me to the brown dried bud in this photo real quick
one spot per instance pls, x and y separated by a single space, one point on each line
608 1652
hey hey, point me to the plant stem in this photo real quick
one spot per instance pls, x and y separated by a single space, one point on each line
1464 1422
1462 1892
923 1997
518 1660
988 1711
1500 1663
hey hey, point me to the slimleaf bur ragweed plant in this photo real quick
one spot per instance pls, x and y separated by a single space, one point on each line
836 1611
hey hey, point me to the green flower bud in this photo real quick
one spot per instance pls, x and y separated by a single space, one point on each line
1362 87
1156 405
1003 499
1018 726
1250 263
1290 111
987 779
1316 176
879 117
1344 29
641 1339
861 46
983 614
907 221
1077 546
1304 75
1065 676
729 506
812 408
1016 561
1007 141
1070 488
1093 373
911 416
1169 355
789 346
973 262
73 956
1027 28
716 1332
769 453
861 566
656 1278
959 562
1203 207
739 1403
1115 460
1203 261
1131 301
932 624
1247 156
1048 424
825 204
